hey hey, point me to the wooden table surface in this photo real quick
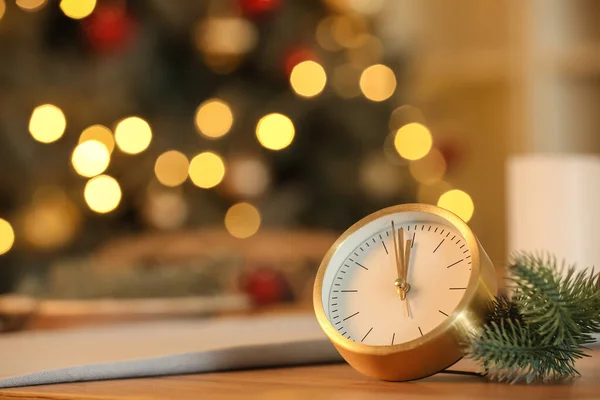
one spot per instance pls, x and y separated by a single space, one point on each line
339 382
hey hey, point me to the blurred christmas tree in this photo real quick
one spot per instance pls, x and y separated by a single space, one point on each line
165 114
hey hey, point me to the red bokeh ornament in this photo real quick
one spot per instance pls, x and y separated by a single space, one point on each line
109 28
265 286
295 56
259 7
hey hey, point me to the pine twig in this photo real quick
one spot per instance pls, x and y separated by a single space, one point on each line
539 331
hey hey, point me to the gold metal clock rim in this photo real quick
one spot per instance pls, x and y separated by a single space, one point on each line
467 315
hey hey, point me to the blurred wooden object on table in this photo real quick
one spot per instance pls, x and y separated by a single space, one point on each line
166 275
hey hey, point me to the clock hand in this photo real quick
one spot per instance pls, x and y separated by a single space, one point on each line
406 288
398 255
407 262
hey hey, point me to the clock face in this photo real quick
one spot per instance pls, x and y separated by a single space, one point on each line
360 294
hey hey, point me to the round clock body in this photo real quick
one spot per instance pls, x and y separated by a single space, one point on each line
402 331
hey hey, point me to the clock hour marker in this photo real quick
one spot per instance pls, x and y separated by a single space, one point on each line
429 230
350 316
422 227
367 334
385 248
413 241
349 291
462 246
468 257
443 313
420 331
360 265
447 234
438 246
453 264
393 337
367 243
435 230
458 288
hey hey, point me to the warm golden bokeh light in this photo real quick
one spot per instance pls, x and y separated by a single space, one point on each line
348 30
207 170
429 169
345 81
275 131
171 168
90 158
459 202
378 82
100 133
52 219
2 8
413 141
7 236
324 35
214 118
242 220
77 9
370 51
31 5
405 115
47 123
102 194
308 79
133 135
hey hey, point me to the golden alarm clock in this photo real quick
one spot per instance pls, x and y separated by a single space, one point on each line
400 291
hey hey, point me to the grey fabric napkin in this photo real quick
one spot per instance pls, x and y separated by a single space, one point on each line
162 348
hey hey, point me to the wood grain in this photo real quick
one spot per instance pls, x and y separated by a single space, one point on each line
339 382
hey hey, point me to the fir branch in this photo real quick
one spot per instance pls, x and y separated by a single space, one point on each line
539 331
511 351
547 300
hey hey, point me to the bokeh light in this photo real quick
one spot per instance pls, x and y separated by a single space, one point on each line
31 5
102 194
7 236
171 168
380 179
90 158
324 35
77 9
349 30
214 118
207 170
247 177
370 51
52 220
100 133
47 123
133 135
413 141
429 169
378 82
275 131
308 78
345 81
166 209
242 220
2 8
405 114
459 202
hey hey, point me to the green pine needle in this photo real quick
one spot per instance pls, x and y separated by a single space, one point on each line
541 329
